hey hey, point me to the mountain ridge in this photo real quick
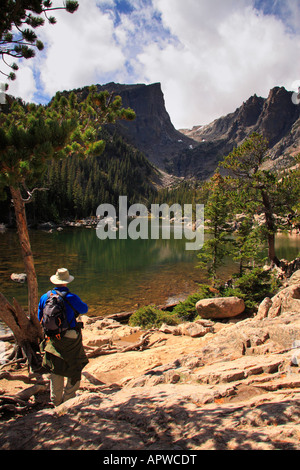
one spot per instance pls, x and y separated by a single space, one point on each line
152 132
276 117
195 153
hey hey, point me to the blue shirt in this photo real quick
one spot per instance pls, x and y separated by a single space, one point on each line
74 300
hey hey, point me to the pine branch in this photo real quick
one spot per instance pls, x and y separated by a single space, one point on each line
29 199
31 192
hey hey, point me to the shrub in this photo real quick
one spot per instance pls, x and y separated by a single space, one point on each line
151 317
253 287
186 310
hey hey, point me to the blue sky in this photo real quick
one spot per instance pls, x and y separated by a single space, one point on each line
208 55
286 11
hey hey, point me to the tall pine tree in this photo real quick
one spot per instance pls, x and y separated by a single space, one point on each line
259 190
217 219
30 136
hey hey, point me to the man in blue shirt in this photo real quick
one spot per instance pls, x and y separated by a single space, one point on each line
65 356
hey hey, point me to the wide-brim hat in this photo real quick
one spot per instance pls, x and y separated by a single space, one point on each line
62 276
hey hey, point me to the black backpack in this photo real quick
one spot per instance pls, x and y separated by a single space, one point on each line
54 320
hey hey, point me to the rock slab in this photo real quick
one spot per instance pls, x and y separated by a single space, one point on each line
235 388
220 307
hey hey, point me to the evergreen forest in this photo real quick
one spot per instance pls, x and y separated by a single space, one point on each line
75 187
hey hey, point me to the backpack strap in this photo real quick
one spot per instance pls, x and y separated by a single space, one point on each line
63 295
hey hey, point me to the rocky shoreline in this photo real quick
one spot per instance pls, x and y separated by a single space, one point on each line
92 222
226 385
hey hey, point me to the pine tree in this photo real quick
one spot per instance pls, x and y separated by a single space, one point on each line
217 217
259 190
19 20
30 136
247 244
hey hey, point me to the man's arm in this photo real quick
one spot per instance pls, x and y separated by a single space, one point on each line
77 303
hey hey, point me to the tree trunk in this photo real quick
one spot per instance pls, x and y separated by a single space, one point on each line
271 249
27 255
27 334
27 330
270 222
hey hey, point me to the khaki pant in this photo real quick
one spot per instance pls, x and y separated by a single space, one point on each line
59 392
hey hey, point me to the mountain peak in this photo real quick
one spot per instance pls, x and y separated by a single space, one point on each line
197 152
152 132
275 117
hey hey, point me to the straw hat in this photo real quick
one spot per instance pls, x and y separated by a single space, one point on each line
62 276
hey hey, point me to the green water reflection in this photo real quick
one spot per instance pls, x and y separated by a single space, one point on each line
113 275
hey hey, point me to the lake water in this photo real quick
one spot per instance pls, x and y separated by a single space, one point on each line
113 275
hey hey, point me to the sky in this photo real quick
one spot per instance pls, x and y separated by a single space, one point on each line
208 55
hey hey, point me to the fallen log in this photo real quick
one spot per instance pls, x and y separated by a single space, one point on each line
106 349
121 317
28 392
10 363
9 376
157 341
100 352
168 307
124 316
142 343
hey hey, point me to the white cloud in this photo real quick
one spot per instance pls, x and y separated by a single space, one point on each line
24 86
225 54
80 47
209 55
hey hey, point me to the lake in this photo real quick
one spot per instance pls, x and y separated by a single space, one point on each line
113 276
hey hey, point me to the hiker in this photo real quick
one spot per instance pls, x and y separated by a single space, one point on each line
64 354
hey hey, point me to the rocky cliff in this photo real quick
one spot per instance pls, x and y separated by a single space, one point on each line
152 132
277 118
196 152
